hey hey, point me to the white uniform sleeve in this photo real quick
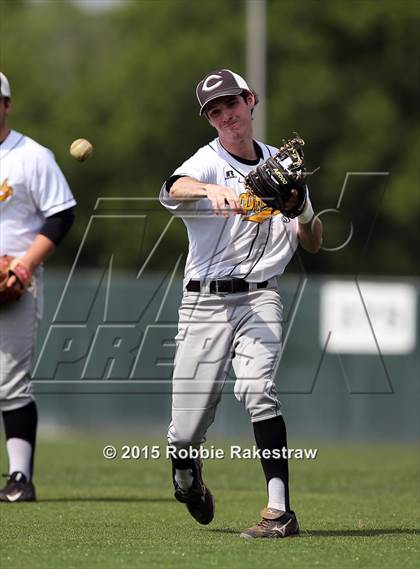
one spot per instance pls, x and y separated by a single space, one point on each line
202 166
49 187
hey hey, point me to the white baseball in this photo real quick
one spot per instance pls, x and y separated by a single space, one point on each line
81 149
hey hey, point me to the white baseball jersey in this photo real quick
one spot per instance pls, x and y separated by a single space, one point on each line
256 246
32 188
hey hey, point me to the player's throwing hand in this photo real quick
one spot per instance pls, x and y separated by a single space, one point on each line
224 200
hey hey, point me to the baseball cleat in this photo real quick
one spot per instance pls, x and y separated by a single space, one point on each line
198 499
18 489
274 523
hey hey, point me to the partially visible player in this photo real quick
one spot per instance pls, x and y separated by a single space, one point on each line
36 212
231 311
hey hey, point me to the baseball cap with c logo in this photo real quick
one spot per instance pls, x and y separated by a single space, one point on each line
219 84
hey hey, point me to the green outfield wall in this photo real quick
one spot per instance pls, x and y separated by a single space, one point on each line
349 367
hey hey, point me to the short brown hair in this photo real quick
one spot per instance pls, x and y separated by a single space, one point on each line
256 98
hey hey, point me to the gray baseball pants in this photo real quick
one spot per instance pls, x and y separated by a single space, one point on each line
19 321
214 331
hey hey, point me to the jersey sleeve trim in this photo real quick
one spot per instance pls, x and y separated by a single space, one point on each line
171 181
177 207
71 202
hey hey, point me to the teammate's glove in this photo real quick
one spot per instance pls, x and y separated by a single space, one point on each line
274 180
10 266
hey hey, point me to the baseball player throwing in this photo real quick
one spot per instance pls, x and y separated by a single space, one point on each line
36 211
231 310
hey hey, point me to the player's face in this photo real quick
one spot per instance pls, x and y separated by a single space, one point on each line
231 116
5 108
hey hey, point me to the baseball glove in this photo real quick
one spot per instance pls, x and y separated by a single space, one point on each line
274 180
11 266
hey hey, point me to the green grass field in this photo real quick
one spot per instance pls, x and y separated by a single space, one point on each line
357 506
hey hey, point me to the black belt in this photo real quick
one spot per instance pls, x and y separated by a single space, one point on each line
224 286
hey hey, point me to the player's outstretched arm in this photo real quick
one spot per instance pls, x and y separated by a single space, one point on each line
310 227
310 235
224 200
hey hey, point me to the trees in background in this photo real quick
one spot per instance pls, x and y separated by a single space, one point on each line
342 74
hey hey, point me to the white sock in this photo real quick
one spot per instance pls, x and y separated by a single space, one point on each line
184 478
20 455
276 494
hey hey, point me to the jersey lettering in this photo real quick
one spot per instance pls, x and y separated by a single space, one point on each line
5 191
259 212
